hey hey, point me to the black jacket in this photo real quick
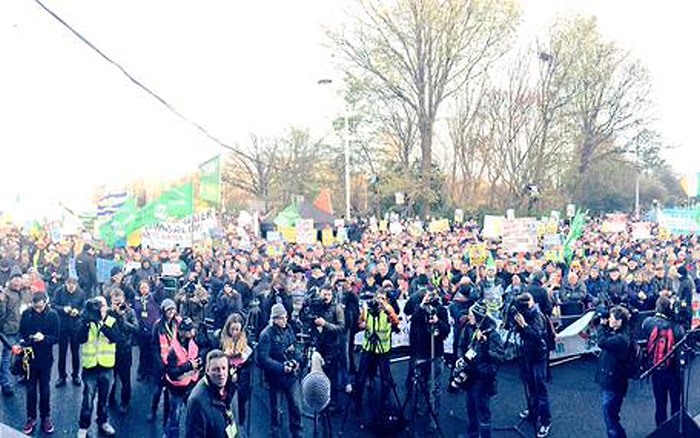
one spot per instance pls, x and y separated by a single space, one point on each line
275 347
612 364
534 346
63 299
208 414
421 331
45 322
541 297
489 353
86 269
128 326
663 322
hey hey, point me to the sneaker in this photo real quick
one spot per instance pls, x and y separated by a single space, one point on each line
47 426
29 426
524 414
77 381
348 388
82 433
61 382
544 431
107 429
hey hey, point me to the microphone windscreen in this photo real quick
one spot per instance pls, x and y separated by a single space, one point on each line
316 390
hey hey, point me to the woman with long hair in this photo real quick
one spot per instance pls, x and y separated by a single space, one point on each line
234 344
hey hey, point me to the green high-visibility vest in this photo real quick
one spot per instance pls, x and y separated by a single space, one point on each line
98 350
381 326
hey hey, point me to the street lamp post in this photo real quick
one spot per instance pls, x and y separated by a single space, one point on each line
346 147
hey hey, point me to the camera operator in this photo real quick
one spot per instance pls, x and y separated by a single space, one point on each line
378 319
327 323
182 369
530 324
128 325
279 360
480 354
69 303
192 300
661 331
98 334
614 342
429 327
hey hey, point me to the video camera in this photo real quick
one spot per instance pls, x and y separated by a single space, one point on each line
93 310
313 309
516 307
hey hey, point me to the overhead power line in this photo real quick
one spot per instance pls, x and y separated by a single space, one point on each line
141 85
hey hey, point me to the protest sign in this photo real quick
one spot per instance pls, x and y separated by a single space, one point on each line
478 254
341 236
493 227
306 233
395 228
520 235
327 237
459 215
274 236
289 234
103 268
183 233
680 221
553 245
439 226
171 270
641 230
614 223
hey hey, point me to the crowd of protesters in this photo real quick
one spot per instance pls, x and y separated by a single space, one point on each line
236 300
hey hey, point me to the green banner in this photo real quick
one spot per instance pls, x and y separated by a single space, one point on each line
575 232
175 203
210 181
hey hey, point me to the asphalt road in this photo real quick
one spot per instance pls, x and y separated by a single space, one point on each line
574 399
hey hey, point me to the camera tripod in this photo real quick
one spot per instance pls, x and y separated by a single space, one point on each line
371 364
518 427
420 387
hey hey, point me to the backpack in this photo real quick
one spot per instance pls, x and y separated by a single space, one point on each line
661 341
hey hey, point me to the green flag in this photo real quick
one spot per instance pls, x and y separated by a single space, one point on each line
124 222
210 181
575 232
175 203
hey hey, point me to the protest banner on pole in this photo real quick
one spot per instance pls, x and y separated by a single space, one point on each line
614 223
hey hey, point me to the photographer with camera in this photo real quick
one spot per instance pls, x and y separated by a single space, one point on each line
530 324
378 319
326 322
429 327
279 359
615 342
69 303
99 335
183 365
192 300
128 325
480 354
662 331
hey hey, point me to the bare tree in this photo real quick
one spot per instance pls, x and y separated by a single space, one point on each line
423 51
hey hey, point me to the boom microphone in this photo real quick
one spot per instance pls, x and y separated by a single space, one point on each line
316 386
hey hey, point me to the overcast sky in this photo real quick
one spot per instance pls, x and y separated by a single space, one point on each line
70 121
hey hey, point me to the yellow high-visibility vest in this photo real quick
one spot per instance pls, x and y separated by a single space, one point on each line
98 350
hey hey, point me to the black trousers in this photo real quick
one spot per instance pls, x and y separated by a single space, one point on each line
122 373
66 339
39 378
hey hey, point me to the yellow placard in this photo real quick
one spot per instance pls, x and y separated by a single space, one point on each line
439 226
327 237
478 254
383 226
664 234
134 238
289 234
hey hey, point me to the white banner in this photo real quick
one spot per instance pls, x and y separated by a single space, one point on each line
641 230
183 233
306 233
520 235
493 226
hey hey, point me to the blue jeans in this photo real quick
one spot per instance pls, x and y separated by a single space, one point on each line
536 376
6 380
172 426
612 403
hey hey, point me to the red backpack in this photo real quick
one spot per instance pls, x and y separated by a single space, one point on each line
661 341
